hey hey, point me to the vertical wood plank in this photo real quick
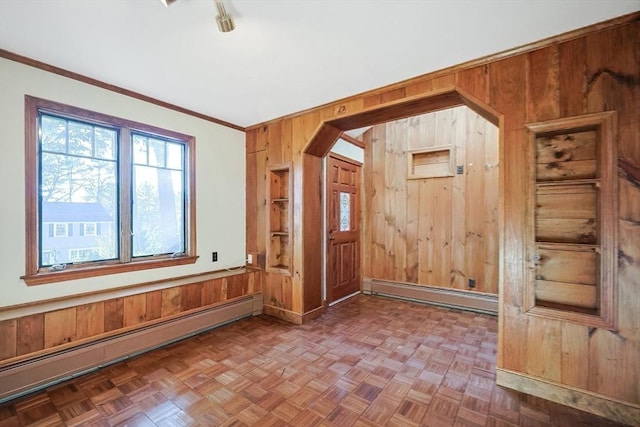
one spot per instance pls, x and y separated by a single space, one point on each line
400 208
491 228
475 81
543 91
113 314
59 327
135 309
572 74
89 320
8 339
378 250
475 190
212 291
171 303
390 178
191 296
237 286
545 354
30 334
153 305
575 345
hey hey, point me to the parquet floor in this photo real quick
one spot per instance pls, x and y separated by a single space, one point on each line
368 361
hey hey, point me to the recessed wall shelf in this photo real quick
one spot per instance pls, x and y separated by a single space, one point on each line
573 232
279 219
432 162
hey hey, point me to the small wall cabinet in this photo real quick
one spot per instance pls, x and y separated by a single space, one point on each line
573 232
279 218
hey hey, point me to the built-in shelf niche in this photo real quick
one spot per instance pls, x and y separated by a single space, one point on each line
279 219
573 232
431 162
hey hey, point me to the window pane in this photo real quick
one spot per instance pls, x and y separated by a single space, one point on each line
106 140
158 211
75 191
80 139
139 150
156 152
175 154
53 134
345 211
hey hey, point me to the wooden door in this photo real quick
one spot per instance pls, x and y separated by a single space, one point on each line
343 228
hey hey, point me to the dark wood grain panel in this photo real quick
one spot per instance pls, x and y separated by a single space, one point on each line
113 314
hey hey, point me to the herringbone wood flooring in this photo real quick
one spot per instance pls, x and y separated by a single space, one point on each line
369 361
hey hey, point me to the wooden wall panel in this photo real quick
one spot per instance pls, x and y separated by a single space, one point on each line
592 70
135 309
59 327
9 338
89 320
30 337
433 231
25 336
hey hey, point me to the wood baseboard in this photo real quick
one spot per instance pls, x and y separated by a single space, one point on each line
291 316
453 298
39 372
619 411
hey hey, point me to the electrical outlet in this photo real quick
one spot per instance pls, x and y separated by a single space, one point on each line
214 256
460 169
472 283
249 259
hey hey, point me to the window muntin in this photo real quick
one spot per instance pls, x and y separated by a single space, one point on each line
84 173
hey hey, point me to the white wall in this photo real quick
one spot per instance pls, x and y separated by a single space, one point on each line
349 150
220 182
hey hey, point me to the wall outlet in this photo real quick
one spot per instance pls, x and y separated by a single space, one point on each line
472 283
214 256
249 259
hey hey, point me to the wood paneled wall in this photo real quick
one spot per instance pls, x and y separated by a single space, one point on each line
432 231
27 336
591 70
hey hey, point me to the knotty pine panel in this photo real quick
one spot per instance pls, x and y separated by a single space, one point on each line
48 331
435 231
591 70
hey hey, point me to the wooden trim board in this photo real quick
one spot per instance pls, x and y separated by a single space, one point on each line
623 412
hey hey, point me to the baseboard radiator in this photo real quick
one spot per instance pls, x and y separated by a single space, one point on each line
452 298
41 372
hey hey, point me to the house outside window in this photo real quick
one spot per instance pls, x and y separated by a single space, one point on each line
108 193
60 230
88 229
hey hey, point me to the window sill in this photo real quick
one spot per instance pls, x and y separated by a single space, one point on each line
44 277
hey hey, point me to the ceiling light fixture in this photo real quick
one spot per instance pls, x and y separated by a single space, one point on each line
223 19
167 3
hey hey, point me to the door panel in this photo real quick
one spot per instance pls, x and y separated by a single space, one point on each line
343 227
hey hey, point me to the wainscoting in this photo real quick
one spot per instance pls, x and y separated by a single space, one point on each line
39 348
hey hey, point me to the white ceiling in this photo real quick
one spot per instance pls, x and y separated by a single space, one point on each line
285 55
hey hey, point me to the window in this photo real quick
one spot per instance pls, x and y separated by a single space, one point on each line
60 230
109 194
89 229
